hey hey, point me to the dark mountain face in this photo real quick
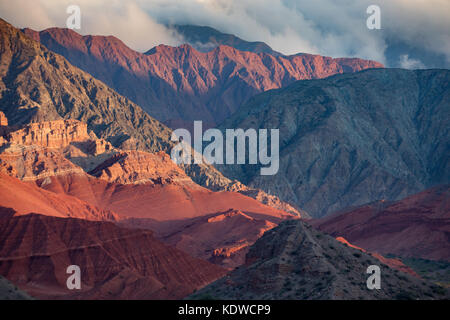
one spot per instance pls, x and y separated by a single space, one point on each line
415 227
180 84
205 39
294 261
353 139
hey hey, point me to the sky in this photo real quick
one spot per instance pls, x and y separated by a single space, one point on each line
411 30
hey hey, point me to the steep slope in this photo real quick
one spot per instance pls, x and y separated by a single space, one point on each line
354 138
417 226
115 263
205 39
179 84
294 261
25 198
158 200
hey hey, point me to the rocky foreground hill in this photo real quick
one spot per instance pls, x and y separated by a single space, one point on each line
294 261
352 139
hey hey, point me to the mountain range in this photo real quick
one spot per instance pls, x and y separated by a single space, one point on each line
352 139
178 85
86 177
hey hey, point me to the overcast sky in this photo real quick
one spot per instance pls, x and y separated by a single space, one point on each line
334 28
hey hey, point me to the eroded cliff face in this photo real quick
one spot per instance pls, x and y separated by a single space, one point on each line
136 167
50 134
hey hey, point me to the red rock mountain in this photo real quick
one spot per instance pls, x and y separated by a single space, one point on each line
71 173
222 238
180 83
25 198
115 263
40 86
417 226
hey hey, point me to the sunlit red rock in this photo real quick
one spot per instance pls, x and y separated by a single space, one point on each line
115 263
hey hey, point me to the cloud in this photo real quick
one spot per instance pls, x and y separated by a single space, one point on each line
329 27
124 19
408 63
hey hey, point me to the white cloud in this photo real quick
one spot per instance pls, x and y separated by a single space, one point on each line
408 63
327 27
124 19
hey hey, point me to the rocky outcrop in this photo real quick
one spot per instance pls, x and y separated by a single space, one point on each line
31 163
136 167
417 226
294 261
176 84
50 134
352 139
41 150
115 263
